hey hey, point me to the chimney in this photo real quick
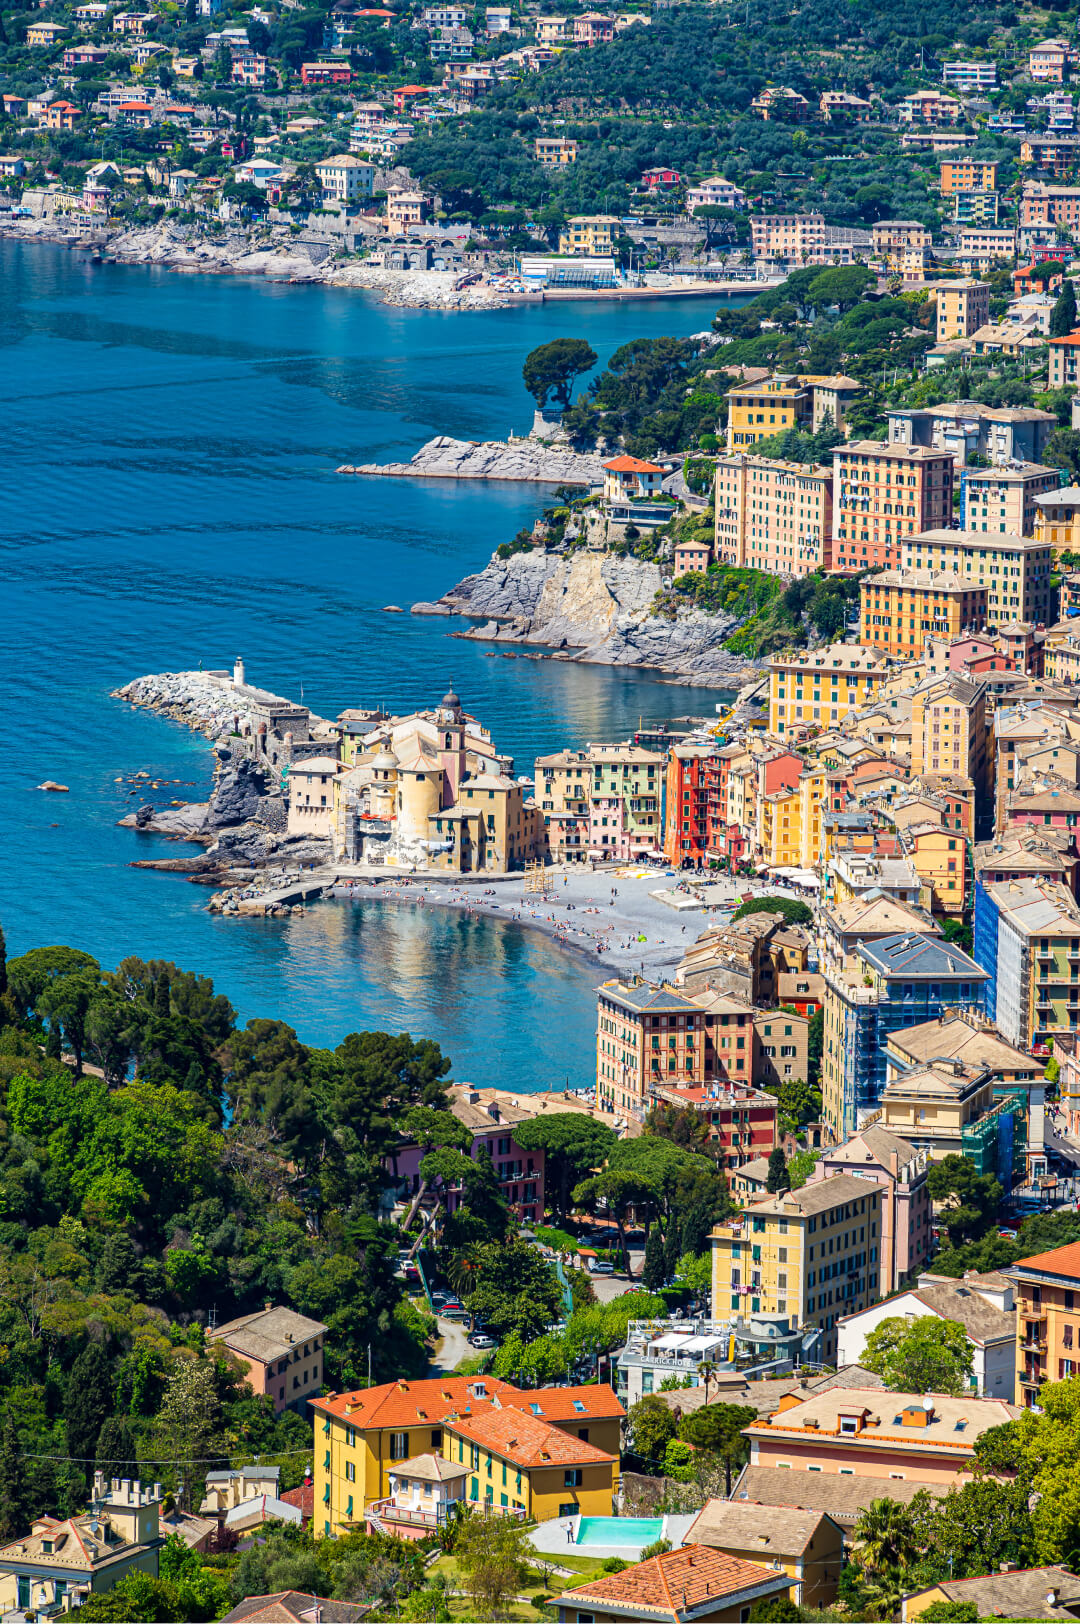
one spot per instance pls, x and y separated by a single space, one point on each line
267 1305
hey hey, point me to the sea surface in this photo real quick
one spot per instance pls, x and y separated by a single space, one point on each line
168 499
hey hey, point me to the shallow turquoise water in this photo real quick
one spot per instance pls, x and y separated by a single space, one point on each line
168 499
631 1531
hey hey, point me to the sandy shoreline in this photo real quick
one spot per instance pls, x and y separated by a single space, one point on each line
608 918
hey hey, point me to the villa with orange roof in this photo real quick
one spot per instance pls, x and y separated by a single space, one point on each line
693 1583
630 478
364 1441
1047 1319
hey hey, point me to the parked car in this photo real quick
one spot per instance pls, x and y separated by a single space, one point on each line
599 1265
454 1310
439 1299
481 1339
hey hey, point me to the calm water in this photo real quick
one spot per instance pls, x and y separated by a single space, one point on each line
169 499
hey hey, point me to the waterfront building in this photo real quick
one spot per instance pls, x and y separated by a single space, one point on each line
602 802
822 686
646 1036
983 1304
809 1254
925 1438
1047 1319
883 494
590 235
310 786
283 1354
895 982
716 192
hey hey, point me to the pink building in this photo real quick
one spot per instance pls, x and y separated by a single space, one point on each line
593 29
490 1115
906 1208
284 1353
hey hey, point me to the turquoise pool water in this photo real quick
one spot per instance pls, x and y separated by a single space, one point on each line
634 1532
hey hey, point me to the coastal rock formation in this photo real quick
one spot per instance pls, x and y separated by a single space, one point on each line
240 788
187 822
597 606
522 460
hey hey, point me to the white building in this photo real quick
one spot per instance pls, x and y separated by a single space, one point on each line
345 178
982 1303
716 191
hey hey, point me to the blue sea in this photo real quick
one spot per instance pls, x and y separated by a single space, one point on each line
168 499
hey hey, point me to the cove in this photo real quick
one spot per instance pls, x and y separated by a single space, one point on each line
169 498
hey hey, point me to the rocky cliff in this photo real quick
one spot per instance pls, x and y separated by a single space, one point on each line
515 459
594 606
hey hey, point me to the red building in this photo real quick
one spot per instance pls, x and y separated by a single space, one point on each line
325 73
653 179
741 1120
405 94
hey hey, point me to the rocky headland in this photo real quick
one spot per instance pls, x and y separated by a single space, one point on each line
523 460
593 605
243 825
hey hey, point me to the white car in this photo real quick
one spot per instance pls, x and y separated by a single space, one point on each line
600 1265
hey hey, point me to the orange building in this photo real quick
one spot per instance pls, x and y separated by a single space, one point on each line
1064 360
692 1583
61 115
883 494
967 175
645 1035
1047 1319
900 609
772 515
284 1353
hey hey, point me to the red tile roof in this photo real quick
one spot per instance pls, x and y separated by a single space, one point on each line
1063 1260
526 1440
677 1583
596 1403
412 1404
303 1498
632 465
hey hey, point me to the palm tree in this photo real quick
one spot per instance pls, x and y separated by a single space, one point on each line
885 1538
465 1266
706 1370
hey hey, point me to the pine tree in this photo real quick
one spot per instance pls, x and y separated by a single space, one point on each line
14 1494
671 1250
1063 315
653 1275
3 963
89 1403
119 1268
116 1449
162 999
777 1178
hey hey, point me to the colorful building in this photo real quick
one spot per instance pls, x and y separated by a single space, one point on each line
899 1167
882 496
1014 569
1047 1319
771 515
1027 939
899 609
821 687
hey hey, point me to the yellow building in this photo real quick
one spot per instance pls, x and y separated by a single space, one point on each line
360 1438
758 411
520 1462
555 151
948 729
900 609
962 307
933 1105
822 686
789 822
811 1254
806 1545
1014 569
939 857
588 234
1057 519
1005 499
771 515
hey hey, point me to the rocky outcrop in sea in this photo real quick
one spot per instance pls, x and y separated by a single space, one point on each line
521 460
593 606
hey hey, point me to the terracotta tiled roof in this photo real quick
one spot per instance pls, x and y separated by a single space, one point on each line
567 1403
303 1498
296 1607
526 1440
677 1583
411 1404
1063 1260
632 465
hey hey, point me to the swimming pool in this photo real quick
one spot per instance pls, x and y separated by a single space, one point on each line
632 1532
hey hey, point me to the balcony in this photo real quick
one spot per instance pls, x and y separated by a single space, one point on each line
1034 1345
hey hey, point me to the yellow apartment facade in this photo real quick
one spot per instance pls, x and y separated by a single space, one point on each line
948 729
1014 569
811 1254
962 308
521 1463
822 686
1057 519
900 609
589 234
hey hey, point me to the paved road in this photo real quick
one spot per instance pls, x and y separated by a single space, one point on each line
452 1348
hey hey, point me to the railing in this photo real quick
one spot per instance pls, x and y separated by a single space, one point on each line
387 1511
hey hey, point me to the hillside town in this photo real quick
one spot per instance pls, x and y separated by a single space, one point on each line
763 1304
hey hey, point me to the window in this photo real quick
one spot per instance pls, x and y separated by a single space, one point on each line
350 1471
399 1445
572 1478
569 1508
